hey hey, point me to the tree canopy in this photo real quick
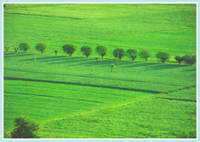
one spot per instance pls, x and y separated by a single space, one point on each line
144 54
101 50
40 47
132 53
163 56
87 50
119 53
23 46
25 128
69 49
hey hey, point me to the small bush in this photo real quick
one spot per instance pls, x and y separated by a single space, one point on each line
23 46
16 49
119 53
101 50
25 128
189 59
56 52
179 59
40 47
7 48
132 53
163 56
69 49
112 67
87 50
144 54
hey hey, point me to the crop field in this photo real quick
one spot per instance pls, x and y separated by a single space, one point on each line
79 97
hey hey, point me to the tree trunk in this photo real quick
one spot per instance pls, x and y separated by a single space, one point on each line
16 49
7 49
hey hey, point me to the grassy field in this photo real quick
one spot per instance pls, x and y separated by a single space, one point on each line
155 27
78 97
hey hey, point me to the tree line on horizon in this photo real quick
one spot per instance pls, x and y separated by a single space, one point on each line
119 53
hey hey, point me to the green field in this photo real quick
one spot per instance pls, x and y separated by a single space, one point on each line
78 97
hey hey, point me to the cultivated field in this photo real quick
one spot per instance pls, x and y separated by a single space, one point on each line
78 97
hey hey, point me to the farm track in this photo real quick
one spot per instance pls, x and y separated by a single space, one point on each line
100 86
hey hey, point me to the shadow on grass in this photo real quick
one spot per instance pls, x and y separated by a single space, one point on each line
43 58
160 66
13 54
71 60
190 70
103 63
176 99
140 64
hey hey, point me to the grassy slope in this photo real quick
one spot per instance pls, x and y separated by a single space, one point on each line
150 76
67 100
153 27
155 117
44 101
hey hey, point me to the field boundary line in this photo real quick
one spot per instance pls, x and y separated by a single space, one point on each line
93 77
81 84
101 86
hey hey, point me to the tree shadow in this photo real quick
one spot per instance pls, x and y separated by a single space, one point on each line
190 70
140 64
102 63
42 58
17 54
161 66
71 60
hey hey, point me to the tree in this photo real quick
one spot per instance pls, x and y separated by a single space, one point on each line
119 53
112 67
87 50
69 49
23 46
25 128
56 51
163 56
16 49
132 53
179 59
40 47
101 50
7 48
189 59
144 54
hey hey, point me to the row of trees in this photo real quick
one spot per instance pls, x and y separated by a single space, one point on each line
24 47
119 53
